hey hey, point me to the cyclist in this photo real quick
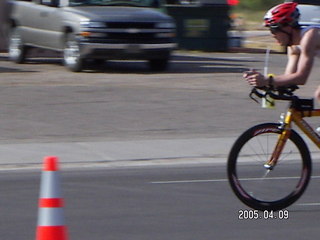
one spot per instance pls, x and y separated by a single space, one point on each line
303 45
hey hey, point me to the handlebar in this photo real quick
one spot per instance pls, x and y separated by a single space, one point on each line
284 93
280 93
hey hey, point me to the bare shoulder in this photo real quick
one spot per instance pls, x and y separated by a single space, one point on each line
312 34
311 40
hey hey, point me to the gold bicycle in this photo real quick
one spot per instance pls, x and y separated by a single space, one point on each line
269 165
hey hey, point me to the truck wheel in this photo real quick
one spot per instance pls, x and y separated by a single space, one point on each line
71 54
17 50
158 64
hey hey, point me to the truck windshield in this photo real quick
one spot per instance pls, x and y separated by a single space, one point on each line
135 3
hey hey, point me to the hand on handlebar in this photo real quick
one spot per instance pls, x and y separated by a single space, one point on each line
255 79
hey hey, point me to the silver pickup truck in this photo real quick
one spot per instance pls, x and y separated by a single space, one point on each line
92 29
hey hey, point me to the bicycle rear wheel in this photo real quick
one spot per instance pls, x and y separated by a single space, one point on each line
258 187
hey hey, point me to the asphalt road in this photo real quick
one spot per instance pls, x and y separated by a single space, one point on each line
200 96
182 202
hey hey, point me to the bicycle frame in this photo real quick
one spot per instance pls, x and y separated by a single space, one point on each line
297 117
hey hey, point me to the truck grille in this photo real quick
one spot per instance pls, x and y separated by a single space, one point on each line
128 32
138 25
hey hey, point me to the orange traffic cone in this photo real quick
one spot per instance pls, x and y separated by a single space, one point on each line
51 225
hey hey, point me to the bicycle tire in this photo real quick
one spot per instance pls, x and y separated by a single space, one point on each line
241 161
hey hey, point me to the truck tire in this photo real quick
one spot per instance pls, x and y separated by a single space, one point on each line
158 64
17 50
71 55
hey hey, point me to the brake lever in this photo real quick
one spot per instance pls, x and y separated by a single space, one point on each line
254 92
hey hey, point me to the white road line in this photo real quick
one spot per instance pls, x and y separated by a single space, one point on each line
190 181
309 204
219 180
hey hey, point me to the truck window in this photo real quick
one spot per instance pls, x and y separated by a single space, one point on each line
50 3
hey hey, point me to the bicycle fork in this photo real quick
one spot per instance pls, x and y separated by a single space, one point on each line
285 127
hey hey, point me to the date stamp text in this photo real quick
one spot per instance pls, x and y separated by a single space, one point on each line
251 214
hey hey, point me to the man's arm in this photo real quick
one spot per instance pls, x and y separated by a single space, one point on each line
299 65
305 61
293 59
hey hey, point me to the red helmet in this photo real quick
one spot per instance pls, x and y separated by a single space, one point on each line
282 14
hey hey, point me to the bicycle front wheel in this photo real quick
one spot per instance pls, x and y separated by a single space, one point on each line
255 185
